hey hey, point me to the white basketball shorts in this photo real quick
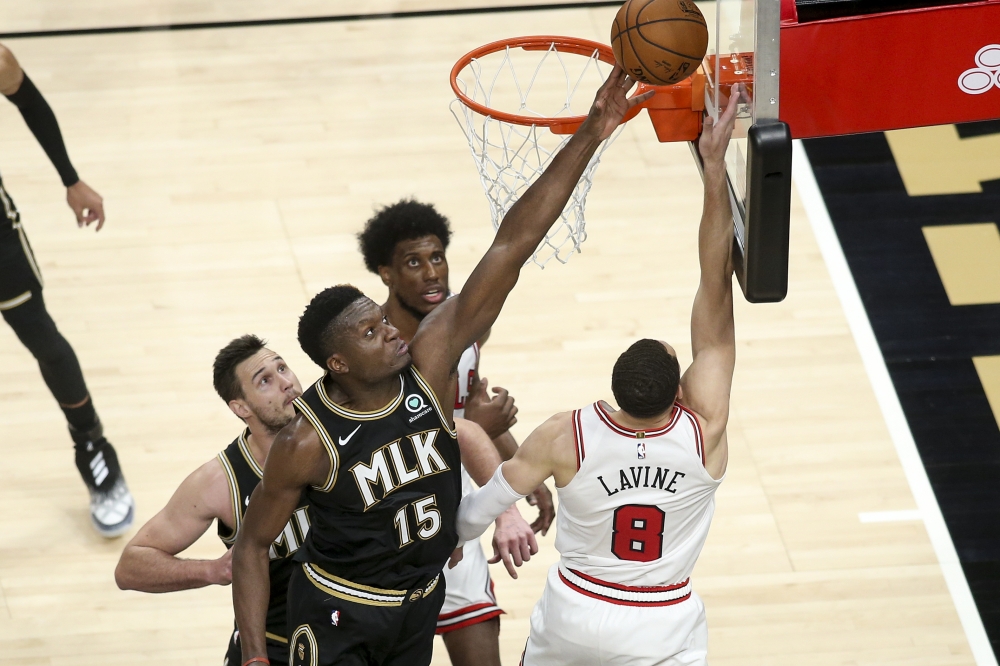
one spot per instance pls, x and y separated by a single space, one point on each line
469 595
571 628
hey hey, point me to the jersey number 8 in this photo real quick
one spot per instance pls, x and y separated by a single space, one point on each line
637 533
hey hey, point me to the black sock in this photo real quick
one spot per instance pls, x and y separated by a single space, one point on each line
82 418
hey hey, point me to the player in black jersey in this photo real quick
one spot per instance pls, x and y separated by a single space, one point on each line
377 452
259 387
405 244
112 508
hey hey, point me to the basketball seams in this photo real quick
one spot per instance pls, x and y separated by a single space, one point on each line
638 31
669 20
653 38
639 25
631 44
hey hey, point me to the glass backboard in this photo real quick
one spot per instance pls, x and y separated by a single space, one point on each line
744 48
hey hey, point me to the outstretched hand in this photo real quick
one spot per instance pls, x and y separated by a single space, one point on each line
715 135
612 103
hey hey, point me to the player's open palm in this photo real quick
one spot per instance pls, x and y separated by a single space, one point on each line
612 103
513 541
715 135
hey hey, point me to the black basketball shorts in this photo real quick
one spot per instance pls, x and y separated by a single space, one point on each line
19 273
333 621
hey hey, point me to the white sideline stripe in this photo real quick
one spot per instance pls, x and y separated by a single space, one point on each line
892 411
890 516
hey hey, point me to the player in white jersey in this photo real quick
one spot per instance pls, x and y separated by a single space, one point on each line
636 486
405 244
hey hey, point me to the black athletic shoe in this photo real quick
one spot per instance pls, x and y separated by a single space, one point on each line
112 509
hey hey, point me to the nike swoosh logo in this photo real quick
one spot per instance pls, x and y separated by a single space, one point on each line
345 440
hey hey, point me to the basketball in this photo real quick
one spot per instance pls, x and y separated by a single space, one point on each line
659 42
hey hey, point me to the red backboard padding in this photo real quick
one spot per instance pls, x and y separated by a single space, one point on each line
887 71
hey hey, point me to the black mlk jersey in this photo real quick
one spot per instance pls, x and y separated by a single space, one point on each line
243 474
386 515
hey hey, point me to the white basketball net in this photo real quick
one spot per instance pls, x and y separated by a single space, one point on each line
510 157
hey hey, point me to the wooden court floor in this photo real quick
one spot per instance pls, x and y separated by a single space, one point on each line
236 166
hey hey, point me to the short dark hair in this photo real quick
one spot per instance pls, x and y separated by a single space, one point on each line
320 318
227 385
645 379
404 220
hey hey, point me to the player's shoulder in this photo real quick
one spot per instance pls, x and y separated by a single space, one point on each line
10 70
206 490
557 426
697 421
297 437
210 474
7 58
560 419
300 453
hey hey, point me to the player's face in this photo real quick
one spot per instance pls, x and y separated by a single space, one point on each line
269 387
418 275
371 347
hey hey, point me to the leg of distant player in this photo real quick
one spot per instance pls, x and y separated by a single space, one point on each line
112 508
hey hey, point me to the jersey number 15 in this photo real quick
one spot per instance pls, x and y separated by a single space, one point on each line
428 520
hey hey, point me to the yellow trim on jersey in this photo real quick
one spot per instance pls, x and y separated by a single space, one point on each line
305 629
8 205
12 303
345 589
434 400
324 437
355 415
234 495
28 254
244 447
276 637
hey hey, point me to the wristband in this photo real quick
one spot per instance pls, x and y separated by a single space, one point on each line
263 660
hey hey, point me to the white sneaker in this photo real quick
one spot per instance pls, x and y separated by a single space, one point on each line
112 512
112 509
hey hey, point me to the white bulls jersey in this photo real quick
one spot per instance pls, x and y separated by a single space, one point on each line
469 597
637 513
468 365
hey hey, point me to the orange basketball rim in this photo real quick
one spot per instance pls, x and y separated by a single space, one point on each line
675 111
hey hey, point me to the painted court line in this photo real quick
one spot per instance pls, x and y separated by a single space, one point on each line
907 515
892 411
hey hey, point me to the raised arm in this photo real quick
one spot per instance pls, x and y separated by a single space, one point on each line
707 383
297 460
149 562
460 321
87 204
